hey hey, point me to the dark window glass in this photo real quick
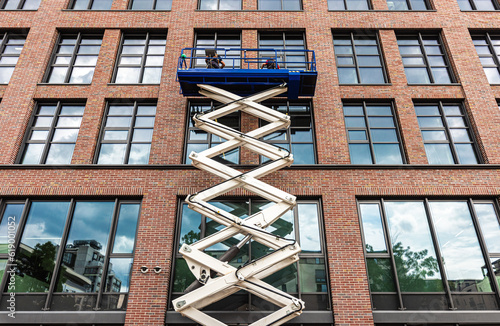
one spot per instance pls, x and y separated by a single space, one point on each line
52 137
280 4
358 59
141 59
488 50
446 135
219 4
9 225
92 4
151 4
348 5
372 134
288 46
408 5
20 4
424 59
486 5
222 42
127 134
11 46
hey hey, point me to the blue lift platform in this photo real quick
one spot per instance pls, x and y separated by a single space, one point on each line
244 73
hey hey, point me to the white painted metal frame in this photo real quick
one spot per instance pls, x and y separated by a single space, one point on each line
229 279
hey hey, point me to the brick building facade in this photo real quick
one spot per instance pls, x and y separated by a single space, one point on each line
354 245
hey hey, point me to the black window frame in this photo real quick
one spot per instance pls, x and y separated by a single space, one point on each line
20 5
354 55
89 5
218 6
368 128
472 4
446 128
368 2
427 3
64 238
5 36
494 54
424 55
131 3
300 3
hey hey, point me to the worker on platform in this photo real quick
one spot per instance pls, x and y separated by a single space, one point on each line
215 62
270 64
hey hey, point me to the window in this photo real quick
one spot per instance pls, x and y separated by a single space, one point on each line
280 5
348 5
446 133
220 4
127 134
372 133
432 254
20 4
306 279
140 59
358 59
466 5
221 41
294 59
198 140
299 136
11 46
91 4
151 4
52 136
408 5
75 59
424 59
70 280
488 49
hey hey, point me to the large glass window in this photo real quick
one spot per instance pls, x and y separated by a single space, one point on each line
141 59
127 134
74 59
488 49
424 59
408 5
432 254
306 279
358 58
91 4
372 133
220 41
446 133
71 254
348 5
219 5
485 5
11 45
282 42
151 4
52 136
280 4
19 4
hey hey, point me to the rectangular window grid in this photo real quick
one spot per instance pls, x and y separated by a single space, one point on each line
432 254
75 59
52 137
11 46
280 4
141 59
358 58
348 5
306 279
299 137
151 4
219 4
485 5
198 140
408 5
91 272
19 4
488 49
446 133
424 59
220 41
372 133
284 41
91 4
127 134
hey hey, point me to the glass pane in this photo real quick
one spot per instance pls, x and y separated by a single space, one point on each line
336 5
154 60
384 135
8 225
452 110
58 75
462 257
303 154
417 76
460 135
112 154
380 275
197 148
33 154
144 122
72 110
69 122
142 135
312 275
427 110
466 154
115 135
60 154
102 5
430 122
284 279
357 135
309 227
190 226
39 135
464 5
357 5
352 122
118 278
182 276
484 5
127 226
418 5
152 75
208 4
408 61
163 4
139 154
371 75
118 122
441 75
127 75
65 135
146 110
387 154
381 122
433 135
455 122
347 76
490 226
493 75
416 261
360 154
86 60
439 154
130 60
372 228
120 110
41 241
5 74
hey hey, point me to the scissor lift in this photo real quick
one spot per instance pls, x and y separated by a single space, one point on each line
216 278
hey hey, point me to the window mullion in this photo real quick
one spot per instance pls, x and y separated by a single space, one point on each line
448 132
143 61
355 58
130 132
493 51
435 242
73 58
368 133
48 140
426 60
